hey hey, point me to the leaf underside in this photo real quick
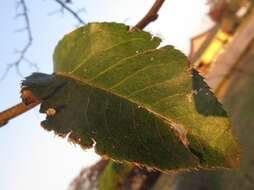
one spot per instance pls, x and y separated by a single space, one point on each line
135 102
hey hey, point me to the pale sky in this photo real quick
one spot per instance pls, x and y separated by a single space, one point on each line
30 157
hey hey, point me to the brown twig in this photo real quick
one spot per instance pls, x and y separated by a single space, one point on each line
67 8
151 16
29 102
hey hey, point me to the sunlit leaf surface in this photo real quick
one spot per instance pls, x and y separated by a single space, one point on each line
134 101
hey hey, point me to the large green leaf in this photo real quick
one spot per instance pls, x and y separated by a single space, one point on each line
134 101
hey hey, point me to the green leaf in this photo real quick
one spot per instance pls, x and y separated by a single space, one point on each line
135 102
113 176
117 176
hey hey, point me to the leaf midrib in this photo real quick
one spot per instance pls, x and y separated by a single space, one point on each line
167 121
85 82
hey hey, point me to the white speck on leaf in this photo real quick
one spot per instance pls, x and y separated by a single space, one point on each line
195 92
51 112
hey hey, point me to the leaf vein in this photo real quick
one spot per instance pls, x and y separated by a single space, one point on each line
85 60
133 74
167 97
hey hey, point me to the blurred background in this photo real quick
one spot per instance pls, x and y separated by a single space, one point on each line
218 37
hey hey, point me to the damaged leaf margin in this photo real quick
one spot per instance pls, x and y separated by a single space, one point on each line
136 102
